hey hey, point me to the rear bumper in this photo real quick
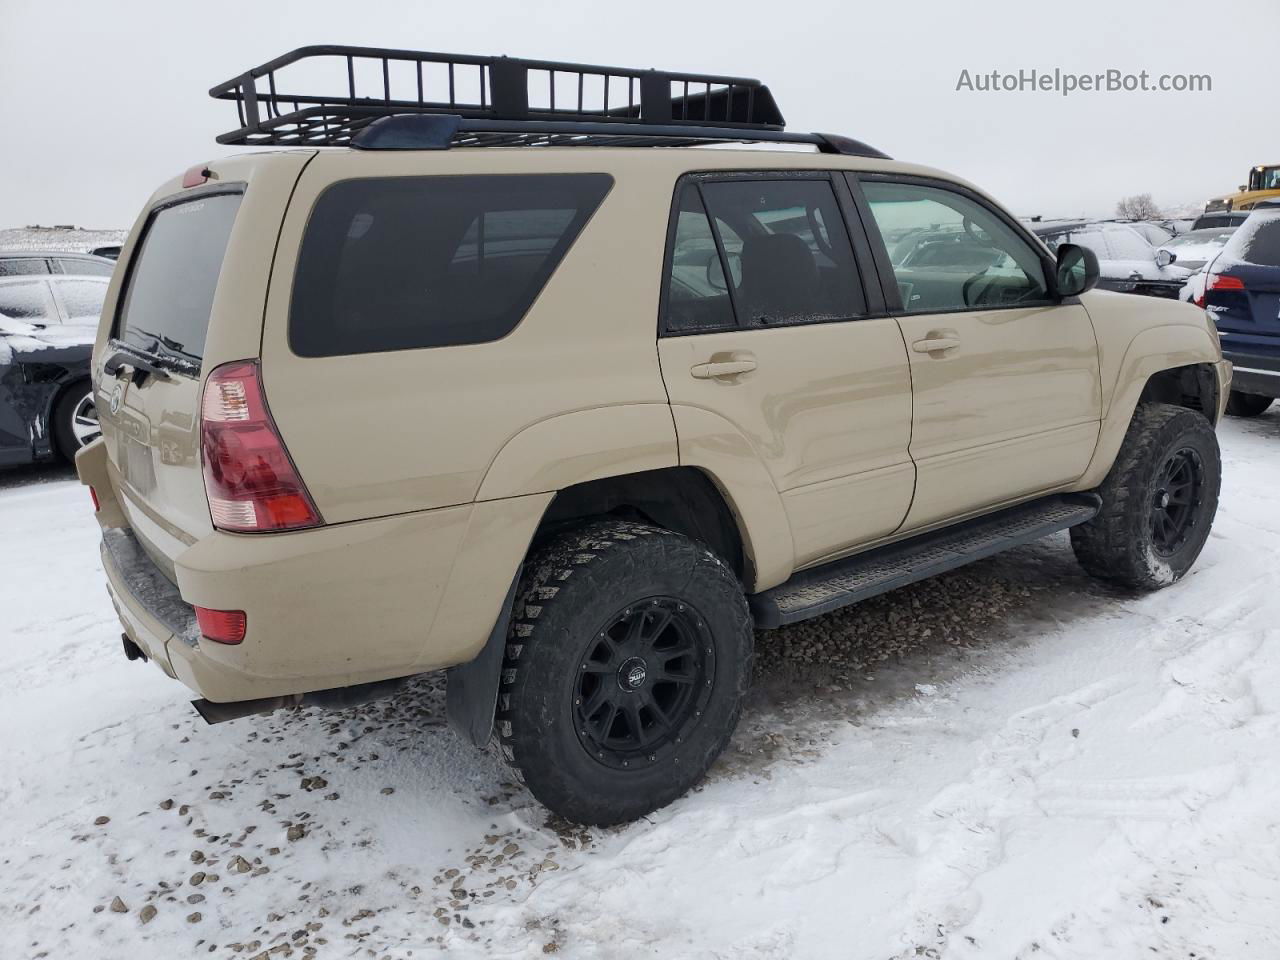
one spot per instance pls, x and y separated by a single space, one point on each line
1253 373
330 607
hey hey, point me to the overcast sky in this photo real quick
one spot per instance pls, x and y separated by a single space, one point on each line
101 101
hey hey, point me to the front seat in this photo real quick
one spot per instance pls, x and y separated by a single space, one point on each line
779 278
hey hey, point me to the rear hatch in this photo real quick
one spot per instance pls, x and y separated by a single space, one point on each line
194 280
1243 287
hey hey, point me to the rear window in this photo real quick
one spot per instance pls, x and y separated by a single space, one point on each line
410 262
22 266
1257 240
173 277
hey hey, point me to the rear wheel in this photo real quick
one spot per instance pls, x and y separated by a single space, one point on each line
75 420
1247 404
629 655
1158 501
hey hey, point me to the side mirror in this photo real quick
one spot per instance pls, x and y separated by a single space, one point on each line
1165 257
1077 270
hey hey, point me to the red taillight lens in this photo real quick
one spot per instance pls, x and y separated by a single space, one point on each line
221 626
251 483
1222 281
93 495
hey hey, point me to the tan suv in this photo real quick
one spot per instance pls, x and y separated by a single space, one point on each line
547 396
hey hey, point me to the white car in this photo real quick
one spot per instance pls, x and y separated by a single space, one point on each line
1126 259
1193 250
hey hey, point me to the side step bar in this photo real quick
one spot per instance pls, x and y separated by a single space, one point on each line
820 590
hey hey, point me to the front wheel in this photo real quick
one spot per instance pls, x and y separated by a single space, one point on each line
1158 501
1247 404
629 656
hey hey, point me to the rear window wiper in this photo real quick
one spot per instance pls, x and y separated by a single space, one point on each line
140 364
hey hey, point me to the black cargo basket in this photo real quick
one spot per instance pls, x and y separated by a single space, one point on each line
362 84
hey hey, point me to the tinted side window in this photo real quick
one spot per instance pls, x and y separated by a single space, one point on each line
950 252
22 266
26 301
789 255
81 299
410 262
84 268
697 296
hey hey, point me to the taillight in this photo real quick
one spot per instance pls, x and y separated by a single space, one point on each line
251 482
221 626
1217 281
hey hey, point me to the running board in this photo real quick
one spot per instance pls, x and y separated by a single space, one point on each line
820 590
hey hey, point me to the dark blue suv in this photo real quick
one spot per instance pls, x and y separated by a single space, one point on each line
1242 294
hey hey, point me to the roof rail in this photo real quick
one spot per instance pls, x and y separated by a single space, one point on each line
379 98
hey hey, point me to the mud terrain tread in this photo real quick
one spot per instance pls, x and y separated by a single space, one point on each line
541 591
1113 545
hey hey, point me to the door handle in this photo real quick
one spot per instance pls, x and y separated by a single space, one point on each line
715 369
935 345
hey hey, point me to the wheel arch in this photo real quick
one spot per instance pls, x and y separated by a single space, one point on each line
681 499
1177 364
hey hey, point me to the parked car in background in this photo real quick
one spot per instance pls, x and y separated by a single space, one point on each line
1242 294
1126 259
1198 247
1155 233
1224 218
23 263
47 328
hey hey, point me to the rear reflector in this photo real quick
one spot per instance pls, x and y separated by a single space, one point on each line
221 626
93 495
251 482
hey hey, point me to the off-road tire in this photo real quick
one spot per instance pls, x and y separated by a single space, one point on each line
1247 404
1120 544
573 588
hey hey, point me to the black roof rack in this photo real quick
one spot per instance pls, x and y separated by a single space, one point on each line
405 99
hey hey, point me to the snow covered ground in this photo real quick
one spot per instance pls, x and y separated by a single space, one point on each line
1088 775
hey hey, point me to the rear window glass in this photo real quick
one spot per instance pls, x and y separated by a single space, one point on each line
85 268
173 277
22 266
409 262
1257 241
81 299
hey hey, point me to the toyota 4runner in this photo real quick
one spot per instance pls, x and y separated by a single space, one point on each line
492 370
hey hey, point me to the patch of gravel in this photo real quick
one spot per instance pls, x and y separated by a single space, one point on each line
956 610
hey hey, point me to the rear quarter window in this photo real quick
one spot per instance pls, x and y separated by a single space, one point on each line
411 262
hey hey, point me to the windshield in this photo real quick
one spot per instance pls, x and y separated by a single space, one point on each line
173 278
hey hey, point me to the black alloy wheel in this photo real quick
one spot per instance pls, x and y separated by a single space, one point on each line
1176 500
644 682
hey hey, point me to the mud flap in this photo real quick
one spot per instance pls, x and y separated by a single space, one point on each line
471 689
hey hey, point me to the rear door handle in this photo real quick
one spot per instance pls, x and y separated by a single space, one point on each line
935 345
715 369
